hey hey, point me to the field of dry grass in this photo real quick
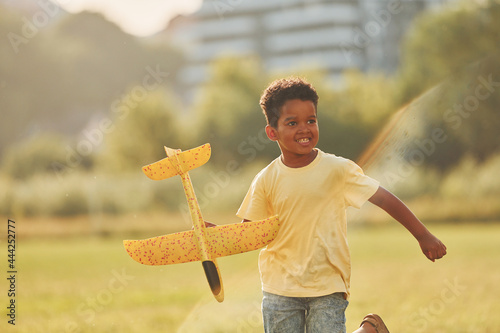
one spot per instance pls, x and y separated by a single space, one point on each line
79 281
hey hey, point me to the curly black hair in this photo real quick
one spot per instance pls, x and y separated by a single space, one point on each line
282 90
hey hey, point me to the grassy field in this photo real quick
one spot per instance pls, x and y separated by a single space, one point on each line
89 284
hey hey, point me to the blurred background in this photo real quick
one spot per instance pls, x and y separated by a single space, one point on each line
92 91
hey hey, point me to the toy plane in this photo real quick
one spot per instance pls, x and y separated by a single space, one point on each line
202 243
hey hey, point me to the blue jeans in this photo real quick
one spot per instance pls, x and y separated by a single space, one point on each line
304 314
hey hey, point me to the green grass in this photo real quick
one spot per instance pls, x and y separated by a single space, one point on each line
456 294
89 284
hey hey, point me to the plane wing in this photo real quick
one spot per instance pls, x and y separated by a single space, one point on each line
226 240
223 240
175 248
188 160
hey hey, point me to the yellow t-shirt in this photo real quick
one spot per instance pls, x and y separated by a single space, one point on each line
310 255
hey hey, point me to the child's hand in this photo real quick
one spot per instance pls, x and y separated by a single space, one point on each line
432 247
209 224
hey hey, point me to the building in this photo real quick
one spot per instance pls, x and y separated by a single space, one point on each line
330 34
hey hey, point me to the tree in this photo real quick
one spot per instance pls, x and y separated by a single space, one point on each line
456 52
228 113
351 116
72 68
41 154
443 43
139 132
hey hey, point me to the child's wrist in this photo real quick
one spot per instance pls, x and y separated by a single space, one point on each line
423 234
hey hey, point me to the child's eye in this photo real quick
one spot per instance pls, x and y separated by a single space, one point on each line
292 123
311 121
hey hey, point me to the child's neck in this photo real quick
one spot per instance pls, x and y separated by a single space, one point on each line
299 161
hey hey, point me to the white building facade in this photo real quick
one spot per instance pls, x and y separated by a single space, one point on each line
333 35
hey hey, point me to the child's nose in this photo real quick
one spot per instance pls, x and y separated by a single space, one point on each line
302 128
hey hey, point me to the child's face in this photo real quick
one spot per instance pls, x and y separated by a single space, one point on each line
297 132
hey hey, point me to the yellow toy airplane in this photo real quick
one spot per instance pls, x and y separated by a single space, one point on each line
200 244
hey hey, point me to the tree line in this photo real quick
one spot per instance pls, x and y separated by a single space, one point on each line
452 52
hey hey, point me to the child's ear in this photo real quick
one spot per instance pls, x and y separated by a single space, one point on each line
272 133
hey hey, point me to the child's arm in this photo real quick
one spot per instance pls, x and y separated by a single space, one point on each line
432 247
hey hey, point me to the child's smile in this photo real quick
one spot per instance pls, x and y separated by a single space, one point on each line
297 132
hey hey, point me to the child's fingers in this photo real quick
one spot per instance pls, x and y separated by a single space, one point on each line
437 254
433 249
441 251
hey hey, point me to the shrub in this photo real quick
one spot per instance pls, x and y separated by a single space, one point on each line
39 154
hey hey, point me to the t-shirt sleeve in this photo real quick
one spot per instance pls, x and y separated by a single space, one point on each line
255 204
358 187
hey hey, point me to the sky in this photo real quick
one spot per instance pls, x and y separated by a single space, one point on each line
140 18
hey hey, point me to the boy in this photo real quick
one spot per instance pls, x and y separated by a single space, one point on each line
305 271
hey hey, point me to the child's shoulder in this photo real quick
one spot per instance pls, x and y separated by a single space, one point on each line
340 164
334 159
268 168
